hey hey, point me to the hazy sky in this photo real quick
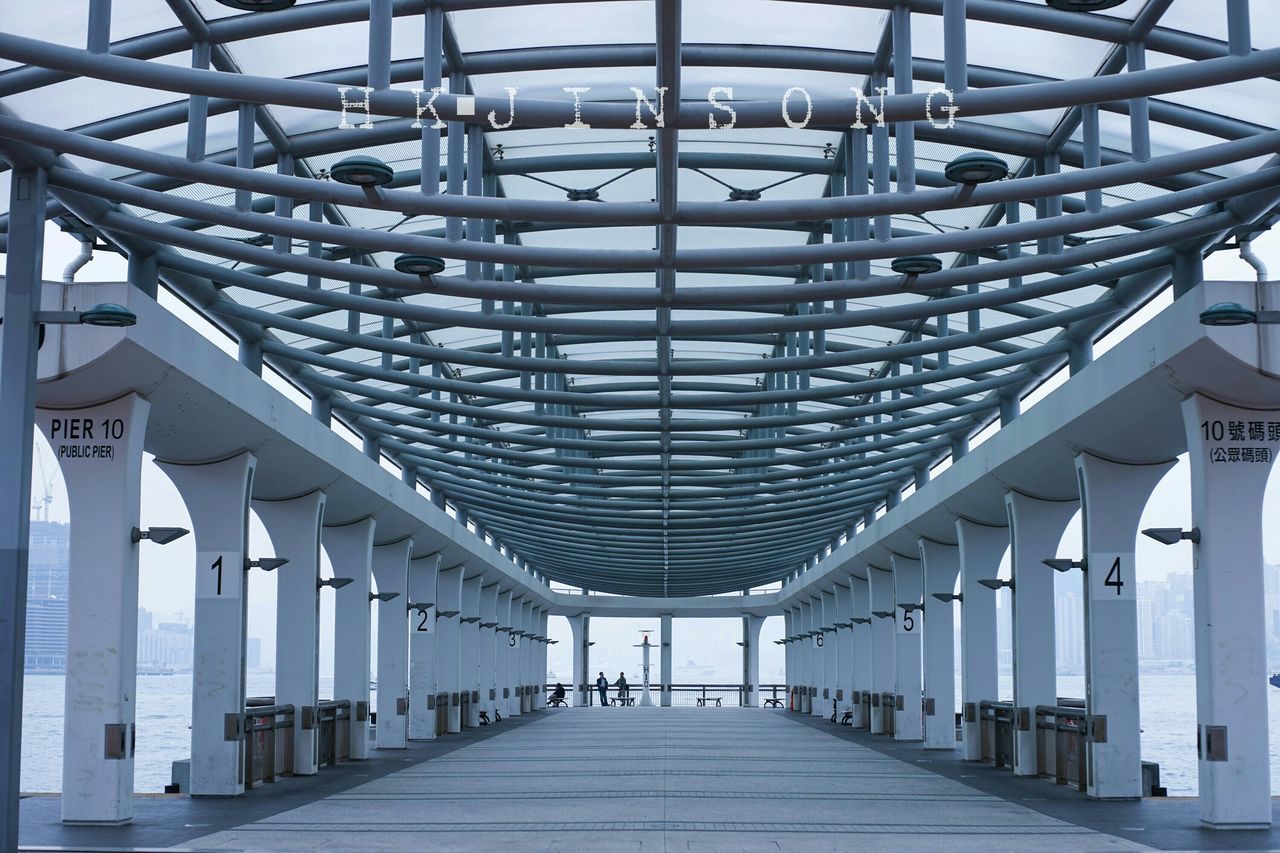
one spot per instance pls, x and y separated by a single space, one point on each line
166 581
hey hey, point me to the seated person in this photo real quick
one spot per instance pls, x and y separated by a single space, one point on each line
558 693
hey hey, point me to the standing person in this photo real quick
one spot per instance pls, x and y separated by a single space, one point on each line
602 684
624 690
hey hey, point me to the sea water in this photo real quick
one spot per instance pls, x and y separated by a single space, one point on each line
164 719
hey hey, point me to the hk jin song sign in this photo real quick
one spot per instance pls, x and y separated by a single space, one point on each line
795 107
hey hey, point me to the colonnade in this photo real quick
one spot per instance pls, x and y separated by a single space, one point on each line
872 642
462 636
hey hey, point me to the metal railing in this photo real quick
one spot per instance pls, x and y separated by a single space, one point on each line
268 741
1061 740
334 721
688 695
995 728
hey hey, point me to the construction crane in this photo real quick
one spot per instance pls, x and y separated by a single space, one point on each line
41 505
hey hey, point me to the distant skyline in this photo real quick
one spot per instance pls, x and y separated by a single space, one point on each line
166 587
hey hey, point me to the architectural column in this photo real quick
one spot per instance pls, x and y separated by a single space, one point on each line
391 572
829 655
883 657
844 651
860 594
790 661
294 527
580 627
469 631
1035 529
515 643
421 608
1112 496
751 625
1230 625
806 658
540 668
448 649
502 642
488 651
350 549
664 657
908 588
99 451
940 565
217 499
526 647
981 549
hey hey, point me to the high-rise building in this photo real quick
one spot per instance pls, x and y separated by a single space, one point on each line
48 569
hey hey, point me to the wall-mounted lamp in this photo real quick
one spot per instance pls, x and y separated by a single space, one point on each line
267 564
908 606
467 620
420 606
1063 564
882 614
1172 535
335 583
861 620
948 597
446 614
1235 314
995 583
158 535
488 624
106 314
383 596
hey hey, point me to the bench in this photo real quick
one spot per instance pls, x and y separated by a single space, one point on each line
484 718
557 702
703 700
623 700
773 702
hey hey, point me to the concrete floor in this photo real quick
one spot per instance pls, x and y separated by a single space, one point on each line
641 779
646 780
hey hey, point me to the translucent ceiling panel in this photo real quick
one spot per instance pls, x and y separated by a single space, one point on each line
1040 52
769 22
553 24
1192 16
291 54
83 100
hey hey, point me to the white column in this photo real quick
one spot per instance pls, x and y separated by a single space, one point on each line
502 646
217 498
790 659
294 528
908 588
860 593
421 608
817 643
981 549
751 625
844 651
580 626
807 667
829 654
883 654
1231 696
448 650
470 659
940 565
527 644
350 549
1035 529
391 572
488 650
1112 496
664 639
99 450
540 668
515 649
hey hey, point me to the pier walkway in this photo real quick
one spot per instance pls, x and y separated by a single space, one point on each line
652 780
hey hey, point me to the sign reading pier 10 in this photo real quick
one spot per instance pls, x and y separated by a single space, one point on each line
77 437
1241 442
